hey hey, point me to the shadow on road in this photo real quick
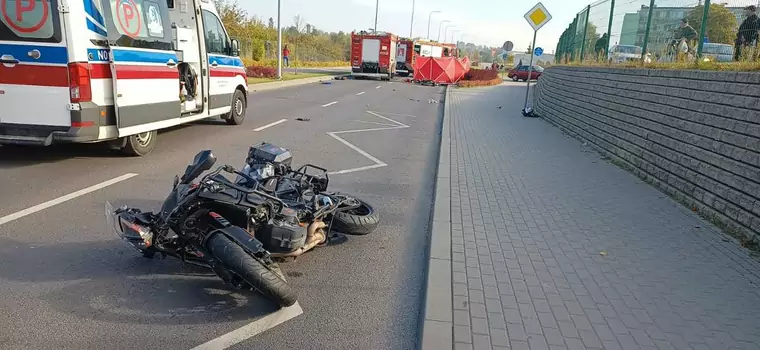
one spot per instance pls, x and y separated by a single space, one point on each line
106 280
12 156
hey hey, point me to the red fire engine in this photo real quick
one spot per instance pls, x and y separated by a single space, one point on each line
373 54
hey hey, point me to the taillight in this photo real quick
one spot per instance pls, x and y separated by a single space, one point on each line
79 82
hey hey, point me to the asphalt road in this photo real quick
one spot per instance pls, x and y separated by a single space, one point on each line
67 280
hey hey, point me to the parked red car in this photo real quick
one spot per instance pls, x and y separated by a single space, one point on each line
521 73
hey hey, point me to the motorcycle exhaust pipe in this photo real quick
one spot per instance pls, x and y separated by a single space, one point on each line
315 234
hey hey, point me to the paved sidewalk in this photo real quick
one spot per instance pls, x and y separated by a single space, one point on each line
552 247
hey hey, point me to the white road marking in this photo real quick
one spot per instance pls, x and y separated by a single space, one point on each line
329 104
65 198
361 93
375 123
378 163
252 329
270 125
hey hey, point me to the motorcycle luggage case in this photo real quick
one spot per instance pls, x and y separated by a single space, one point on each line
283 234
269 153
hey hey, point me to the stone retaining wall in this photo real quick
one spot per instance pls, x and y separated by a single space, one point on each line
693 134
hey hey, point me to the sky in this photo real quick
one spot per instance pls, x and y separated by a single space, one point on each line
483 22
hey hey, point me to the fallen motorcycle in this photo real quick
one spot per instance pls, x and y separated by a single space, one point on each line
236 228
268 169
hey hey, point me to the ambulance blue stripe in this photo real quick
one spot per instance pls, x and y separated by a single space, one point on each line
94 28
92 10
48 54
142 56
226 61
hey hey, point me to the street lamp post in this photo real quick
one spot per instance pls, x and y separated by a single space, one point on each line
430 17
411 25
377 7
279 41
446 30
453 34
440 27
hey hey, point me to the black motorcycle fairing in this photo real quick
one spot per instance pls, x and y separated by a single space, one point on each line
203 161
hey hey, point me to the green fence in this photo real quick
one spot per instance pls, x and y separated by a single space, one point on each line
619 31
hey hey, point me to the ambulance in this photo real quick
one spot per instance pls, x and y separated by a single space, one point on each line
114 70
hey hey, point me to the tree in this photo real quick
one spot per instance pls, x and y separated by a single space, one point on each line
721 23
530 49
271 23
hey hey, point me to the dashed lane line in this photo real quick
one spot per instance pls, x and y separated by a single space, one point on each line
62 199
270 125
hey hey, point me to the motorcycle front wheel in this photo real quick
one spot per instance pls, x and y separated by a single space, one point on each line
251 270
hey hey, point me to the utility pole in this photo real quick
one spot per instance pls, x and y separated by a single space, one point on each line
279 40
377 7
411 26
430 17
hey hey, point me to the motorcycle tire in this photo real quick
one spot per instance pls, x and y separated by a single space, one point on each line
251 270
359 222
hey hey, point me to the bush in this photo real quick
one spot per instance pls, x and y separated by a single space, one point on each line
293 63
481 74
476 83
257 50
261 72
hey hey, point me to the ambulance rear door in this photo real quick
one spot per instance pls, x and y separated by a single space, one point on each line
143 65
34 77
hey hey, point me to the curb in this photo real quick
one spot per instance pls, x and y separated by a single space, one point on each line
437 321
289 83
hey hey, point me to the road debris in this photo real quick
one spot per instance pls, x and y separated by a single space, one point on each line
603 253
302 119
326 82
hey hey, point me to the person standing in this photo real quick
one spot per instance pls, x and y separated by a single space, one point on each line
286 56
747 35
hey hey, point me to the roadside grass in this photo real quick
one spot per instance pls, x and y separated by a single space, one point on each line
288 76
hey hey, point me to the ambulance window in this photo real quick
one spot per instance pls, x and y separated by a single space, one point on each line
30 20
138 23
216 38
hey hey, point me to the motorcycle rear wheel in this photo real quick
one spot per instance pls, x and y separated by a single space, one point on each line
251 270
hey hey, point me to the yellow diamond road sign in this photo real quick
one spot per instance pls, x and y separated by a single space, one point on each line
538 16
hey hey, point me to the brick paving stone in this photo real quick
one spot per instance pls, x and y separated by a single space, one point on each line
554 248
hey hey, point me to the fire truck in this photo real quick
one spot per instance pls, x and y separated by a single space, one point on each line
409 49
373 54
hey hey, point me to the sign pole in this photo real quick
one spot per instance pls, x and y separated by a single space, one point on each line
530 71
537 17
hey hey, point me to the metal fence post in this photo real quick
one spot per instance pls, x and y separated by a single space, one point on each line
646 33
575 33
585 30
703 30
609 29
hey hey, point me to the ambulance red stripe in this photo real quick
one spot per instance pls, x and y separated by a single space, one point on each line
31 75
226 72
146 72
100 71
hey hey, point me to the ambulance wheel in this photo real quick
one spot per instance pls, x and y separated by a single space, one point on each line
237 113
140 144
